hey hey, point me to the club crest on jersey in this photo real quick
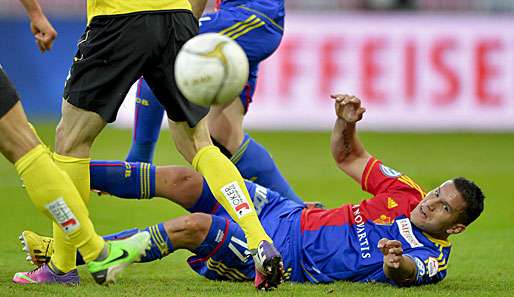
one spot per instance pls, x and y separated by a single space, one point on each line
432 266
406 232
421 267
389 172
237 199
63 215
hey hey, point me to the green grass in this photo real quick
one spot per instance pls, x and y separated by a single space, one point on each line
482 260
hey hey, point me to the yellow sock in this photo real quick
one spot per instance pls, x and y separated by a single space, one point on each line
64 252
229 188
54 194
78 170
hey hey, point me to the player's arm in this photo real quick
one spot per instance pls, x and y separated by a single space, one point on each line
397 267
198 7
347 150
41 28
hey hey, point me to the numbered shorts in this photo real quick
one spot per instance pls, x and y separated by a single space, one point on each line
8 94
115 51
227 256
258 33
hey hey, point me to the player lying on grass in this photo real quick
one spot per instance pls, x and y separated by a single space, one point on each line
400 236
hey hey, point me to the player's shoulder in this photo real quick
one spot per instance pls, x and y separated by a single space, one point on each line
441 248
379 177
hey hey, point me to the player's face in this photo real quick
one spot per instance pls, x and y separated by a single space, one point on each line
438 213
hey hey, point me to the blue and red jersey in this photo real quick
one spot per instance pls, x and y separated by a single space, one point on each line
341 243
321 245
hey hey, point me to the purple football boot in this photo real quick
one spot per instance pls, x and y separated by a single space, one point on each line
44 275
269 268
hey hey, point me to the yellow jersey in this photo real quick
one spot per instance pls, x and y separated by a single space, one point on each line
114 7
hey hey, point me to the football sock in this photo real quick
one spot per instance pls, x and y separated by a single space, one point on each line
147 125
213 240
54 194
160 248
64 252
161 244
132 180
230 191
256 164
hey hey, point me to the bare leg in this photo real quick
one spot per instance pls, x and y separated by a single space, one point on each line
190 140
77 131
226 124
181 185
188 232
18 138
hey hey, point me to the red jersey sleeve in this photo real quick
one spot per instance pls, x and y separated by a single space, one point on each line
378 178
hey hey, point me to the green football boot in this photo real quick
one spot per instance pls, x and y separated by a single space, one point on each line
121 254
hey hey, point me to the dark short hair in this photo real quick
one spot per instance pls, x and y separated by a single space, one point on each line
473 197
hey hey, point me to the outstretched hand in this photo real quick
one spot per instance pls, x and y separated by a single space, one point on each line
393 252
43 31
348 108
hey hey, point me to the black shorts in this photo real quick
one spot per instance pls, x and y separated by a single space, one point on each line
8 94
115 51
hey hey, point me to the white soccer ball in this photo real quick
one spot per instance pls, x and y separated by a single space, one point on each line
211 69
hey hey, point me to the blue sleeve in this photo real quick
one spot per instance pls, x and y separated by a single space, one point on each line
430 265
429 270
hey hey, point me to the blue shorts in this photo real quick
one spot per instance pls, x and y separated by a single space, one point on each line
255 29
228 259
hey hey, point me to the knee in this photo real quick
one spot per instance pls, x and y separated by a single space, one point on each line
197 226
189 141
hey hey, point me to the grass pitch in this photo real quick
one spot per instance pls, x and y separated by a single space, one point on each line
482 259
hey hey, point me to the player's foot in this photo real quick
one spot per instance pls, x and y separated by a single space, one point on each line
121 254
269 268
44 275
39 249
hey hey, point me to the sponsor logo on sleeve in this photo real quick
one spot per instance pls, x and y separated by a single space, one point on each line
237 199
421 267
63 215
406 232
389 172
432 266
